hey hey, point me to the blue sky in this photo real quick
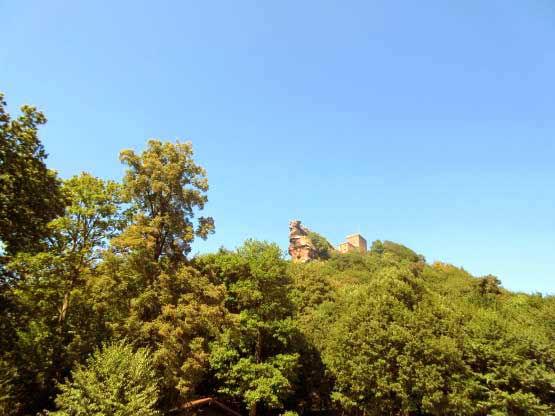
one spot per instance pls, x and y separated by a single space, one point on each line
428 123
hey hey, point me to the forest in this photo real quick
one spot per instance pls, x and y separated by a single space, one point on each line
105 312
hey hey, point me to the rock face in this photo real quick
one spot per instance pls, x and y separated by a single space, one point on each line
301 248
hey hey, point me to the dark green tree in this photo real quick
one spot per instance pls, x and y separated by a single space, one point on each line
30 194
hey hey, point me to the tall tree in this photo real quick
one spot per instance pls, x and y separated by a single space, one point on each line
30 193
165 187
30 197
161 302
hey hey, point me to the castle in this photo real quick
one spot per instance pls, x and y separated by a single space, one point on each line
354 242
302 249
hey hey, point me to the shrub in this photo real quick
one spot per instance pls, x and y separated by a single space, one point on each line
115 381
322 246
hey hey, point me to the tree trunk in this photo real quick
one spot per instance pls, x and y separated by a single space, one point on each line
63 309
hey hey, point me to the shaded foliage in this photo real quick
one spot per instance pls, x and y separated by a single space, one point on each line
30 193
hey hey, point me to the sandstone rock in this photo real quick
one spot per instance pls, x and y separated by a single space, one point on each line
301 248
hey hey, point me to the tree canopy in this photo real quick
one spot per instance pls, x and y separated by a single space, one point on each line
164 186
104 311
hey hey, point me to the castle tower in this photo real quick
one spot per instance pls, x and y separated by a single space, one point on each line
358 241
354 242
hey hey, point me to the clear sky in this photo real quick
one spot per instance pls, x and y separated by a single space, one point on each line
429 123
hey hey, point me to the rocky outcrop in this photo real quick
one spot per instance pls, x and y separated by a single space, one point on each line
301 248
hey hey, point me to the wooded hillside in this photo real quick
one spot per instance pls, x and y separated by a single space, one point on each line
104 311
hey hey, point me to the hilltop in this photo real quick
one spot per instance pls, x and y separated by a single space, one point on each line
396 335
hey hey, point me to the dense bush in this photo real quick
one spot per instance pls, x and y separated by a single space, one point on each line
115 381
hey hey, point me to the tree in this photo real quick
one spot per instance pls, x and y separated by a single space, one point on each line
159 301
30 197
512 362
489 286
191 316
115 381
165 187
322 246
92 218
254 359
56 322
30 193
390 349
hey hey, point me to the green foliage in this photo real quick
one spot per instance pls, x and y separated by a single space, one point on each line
53 317
162 303
192 314
91 218
164 186
397 339
489 285
8 395
29 192
399 251
115 381
388 354
323 246
310 286
253 359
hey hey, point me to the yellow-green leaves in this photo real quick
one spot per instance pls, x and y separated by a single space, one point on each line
165 188
115 381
